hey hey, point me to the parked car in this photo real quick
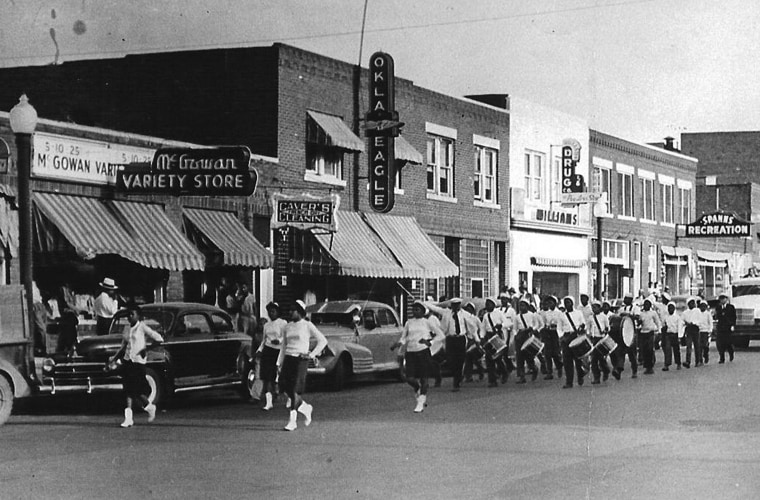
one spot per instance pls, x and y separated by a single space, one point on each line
201 350
359 339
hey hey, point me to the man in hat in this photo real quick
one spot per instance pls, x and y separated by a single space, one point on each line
552 317
493 325
572 326
597 327
726 316
105 306
474 354
691 318
526 324
457 330
650 325
631 310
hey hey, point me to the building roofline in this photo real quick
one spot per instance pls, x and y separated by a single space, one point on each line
646 146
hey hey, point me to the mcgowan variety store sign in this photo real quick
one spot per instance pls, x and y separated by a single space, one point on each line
305 211
219 171
718 225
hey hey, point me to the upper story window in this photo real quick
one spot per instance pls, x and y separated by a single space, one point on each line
668 200
485 170
556 194
684 202
625 193
440 166
647 197
602 177
535 176
327 139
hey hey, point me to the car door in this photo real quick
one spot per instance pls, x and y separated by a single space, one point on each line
375 336
226 346
190 348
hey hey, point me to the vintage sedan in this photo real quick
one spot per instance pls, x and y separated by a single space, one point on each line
359 339
200 350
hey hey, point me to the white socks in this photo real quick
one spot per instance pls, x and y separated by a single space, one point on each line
292 423
128 422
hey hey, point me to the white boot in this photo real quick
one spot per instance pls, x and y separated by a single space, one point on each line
292 422
268 406
421 403
305 409
151 409
128 422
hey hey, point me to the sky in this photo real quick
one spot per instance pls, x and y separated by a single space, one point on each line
637 69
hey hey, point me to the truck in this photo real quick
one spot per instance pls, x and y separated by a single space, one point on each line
18 371
745 296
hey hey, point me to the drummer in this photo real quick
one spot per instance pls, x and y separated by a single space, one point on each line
526 324
650 325
571 327
585 307
597 326
457 330
493 323
473 358
631 310
552 317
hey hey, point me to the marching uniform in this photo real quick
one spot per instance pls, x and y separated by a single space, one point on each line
631 351
494 324
597 326
551 319
650 325
474 355
457 330
672 330
571 327
726 316
415 339
526 325
705 330
691 319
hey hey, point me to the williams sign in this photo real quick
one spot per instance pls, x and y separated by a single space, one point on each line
218 171
718 224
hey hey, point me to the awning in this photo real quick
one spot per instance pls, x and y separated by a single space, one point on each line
354 250
713 256
337 132
675 251
406 152
138 232
551 262
226 235
419 256
7 191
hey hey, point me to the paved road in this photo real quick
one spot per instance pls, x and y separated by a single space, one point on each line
681 434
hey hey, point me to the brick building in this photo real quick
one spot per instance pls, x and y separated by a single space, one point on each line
303 110
651 190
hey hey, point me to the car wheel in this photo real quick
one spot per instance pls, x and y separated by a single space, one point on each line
6 399
339 375
156 386
251 384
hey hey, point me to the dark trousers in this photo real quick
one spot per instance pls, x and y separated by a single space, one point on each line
704 341
646 348
473 362
520 357
552 353
618 355
692 339
498 368
571 362
671 347
598 361
103 325
724 344
456 352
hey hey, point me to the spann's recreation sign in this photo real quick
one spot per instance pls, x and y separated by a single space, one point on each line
218 171
718 224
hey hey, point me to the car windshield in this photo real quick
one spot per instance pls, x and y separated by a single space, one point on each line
340 319
740 290
159 320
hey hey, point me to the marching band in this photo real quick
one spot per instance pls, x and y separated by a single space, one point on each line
583 339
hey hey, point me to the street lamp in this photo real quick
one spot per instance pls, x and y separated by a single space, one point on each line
600 212
23 118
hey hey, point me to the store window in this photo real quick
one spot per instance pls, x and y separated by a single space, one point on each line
476 287
625 194
647 198
535 176
652 265
440 166
668 210
604 181
711 277
684 205
484 179
676 274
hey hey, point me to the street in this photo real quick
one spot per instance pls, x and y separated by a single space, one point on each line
681 434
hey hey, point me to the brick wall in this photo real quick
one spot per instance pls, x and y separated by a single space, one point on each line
734 157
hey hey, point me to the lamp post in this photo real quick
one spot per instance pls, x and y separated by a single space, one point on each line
600 212
23 118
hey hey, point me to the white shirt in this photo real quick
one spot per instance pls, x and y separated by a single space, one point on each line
673 323
509 313
273 332
691 316
650 321
448 325
105 306
296 336
415 331
593 329
526 320
134 336
706 321
496 317
566 327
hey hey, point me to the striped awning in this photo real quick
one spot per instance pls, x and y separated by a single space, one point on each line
407 152
337 132
675 251
713 256
228 236
139 232
354 250
552 262
419 256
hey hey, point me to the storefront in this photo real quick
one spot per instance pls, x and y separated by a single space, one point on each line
712 272
677 269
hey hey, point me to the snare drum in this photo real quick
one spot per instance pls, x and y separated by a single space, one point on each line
606 345
581 347
532 347
475 351
628 330
495 347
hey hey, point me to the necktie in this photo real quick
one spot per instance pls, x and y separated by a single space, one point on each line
457 328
